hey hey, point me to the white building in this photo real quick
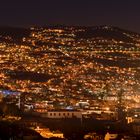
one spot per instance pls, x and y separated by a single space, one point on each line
46 133
109 136
83 104
58 114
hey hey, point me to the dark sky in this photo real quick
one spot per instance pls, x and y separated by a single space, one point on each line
122 13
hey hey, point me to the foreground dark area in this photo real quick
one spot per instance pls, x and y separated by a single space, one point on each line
72 129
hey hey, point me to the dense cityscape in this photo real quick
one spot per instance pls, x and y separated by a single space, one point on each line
70 72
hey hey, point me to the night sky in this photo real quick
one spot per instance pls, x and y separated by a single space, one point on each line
121 13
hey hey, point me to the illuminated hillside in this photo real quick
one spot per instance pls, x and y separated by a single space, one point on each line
70 61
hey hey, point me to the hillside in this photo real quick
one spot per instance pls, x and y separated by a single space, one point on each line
70 61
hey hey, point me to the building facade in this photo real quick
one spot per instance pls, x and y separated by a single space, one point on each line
64 114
